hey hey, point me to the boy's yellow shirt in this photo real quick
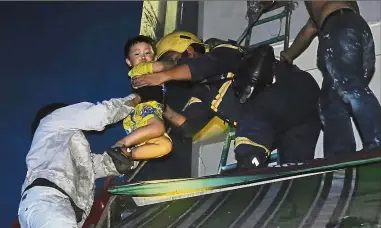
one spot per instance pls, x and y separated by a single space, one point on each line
146 110
140 116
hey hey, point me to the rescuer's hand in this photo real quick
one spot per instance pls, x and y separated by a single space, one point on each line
285 58
149 80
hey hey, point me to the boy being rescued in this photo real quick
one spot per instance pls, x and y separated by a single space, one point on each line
146 137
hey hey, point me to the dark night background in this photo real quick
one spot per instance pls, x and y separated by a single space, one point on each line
64 52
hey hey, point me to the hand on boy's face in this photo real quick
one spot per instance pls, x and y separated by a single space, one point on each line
148 80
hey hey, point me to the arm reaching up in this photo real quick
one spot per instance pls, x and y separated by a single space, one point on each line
301 42
92 117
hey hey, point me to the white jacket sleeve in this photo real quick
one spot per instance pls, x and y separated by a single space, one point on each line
88 116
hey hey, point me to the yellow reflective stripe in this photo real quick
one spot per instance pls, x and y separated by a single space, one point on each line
230 75
243 140
207 48
221 93
192 100
228 46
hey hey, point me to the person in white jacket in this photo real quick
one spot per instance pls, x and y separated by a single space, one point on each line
59 187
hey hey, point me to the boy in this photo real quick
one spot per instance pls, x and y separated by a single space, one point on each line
146 137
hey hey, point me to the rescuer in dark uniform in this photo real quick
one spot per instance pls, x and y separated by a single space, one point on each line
273 105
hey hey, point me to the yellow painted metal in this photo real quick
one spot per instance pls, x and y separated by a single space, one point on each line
170 17
152 18
158 18
214 128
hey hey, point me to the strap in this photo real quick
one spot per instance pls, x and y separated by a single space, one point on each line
244 140
46 183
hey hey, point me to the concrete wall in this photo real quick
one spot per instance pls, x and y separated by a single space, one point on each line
226 20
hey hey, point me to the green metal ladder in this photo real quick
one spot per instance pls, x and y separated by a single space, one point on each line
286 13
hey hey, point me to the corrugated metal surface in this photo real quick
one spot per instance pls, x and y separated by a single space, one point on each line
348 197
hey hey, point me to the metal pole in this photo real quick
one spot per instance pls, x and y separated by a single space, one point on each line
136 171
225 149
287 26
248 38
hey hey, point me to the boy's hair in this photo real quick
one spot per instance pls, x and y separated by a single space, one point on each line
43 112
135 40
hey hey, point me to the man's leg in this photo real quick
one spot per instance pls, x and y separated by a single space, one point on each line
254 136
46 207
252 144
338 139
346 59
298 144
273 111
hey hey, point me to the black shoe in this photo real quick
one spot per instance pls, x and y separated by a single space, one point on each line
122 163
252 162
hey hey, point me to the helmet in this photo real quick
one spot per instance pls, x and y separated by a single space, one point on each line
177 41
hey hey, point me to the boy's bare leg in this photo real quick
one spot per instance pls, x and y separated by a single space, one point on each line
154 148
121 157
154 128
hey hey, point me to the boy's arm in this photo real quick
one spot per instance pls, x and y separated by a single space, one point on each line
153 129
301 42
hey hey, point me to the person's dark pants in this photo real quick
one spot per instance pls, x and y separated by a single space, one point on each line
346 58
284 116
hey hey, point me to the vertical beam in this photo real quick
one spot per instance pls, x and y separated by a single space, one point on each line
170 17
153 19
200 19
187 16
158 18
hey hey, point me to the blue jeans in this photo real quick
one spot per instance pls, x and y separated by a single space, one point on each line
346 58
